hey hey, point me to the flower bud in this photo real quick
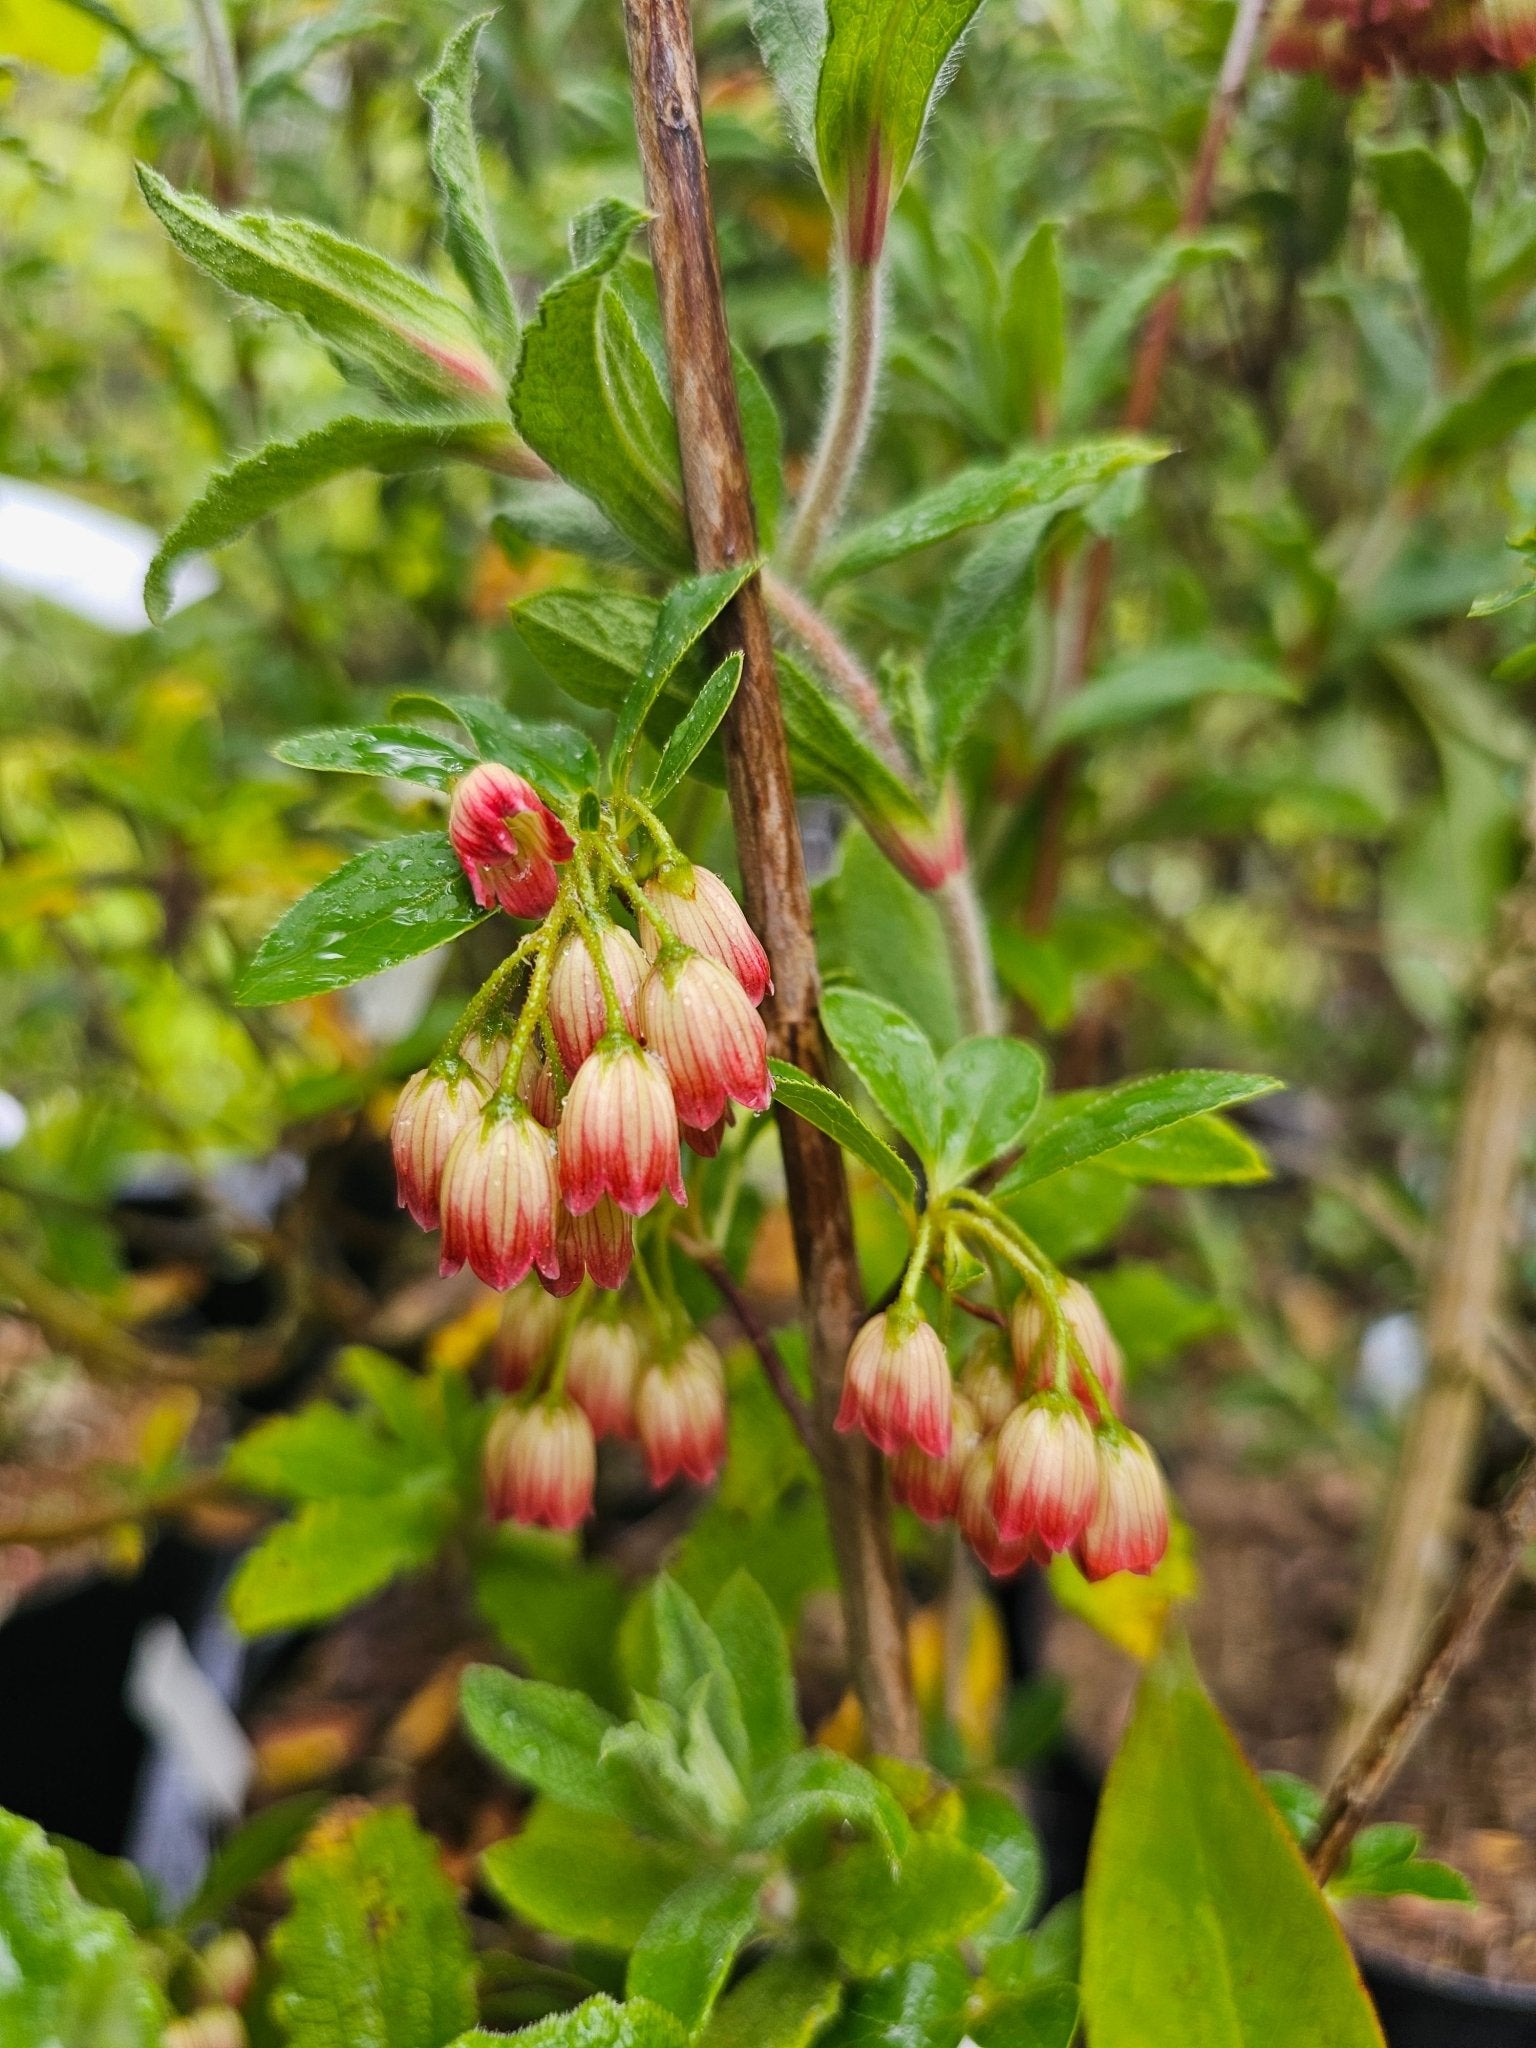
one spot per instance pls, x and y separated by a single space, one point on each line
930 1487
1128 1531
536 1087
618 1132
1047 1476
1034 1346
577 1012
928 852
540 1466
1350 41
707 1143
896 1385
977 1523
700 911
699 1023
498 1198
989 1387
228 1966
605 1238
525 1336
600 1375
431 1112
680 1414
507 840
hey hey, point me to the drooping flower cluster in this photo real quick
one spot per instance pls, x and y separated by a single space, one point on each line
546 1126
1030 1456
594 1376
1350 41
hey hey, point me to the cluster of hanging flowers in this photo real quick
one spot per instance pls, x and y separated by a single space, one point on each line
1350 41
1029 1457
555 1115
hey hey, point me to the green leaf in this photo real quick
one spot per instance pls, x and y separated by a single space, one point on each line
792 35
921 2004
449 92
586 1878
1153 1316
374 1953
73 1974
588 398
1203 1151
552 515
877 931
689 1657
686 1952
763 441
817 1787
1100 355
1384 1862
333 1554
280 64
829 1113
594 644
687 612
552 755
1052 477
322 1453
1099 1119
1146 686
989 1091
983 610
1202 1928
235 498
1033 331
994 1825
110 1881
557 1615
599 2023
884 66
831 753
1501 400
414 342
695 729
784 2003
394 750
756 1653
1043 2018
381 907
1436 222
257 1846
875 1918
892 1058
545 1736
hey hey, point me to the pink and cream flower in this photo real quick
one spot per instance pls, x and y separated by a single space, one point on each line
525 1336
508 840
698 1021
432 1111
978 1524
498 1198
700 911
1034 1346
600 1374
930 1487
680 1414
1128 1530
618 1132
540 1466
577 1012
1047 1476
896 1384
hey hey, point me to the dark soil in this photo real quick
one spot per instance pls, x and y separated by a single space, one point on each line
1282 1564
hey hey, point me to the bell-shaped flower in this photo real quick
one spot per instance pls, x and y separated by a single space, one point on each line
1047 1479
577 1011
1128 1530
930 1487
508 840
618 1132
600 1374
700 911
697 1020
498 1197
432 1110
896 1384
680 1414
1034 1346
540 1466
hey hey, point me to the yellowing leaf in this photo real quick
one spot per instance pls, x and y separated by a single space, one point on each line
49 33
1128 1611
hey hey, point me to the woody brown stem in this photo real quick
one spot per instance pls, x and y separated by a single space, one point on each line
1141 404
664 81
1384 1747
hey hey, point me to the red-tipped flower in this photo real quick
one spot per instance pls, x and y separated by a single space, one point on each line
896 1385
540 1466
525 1336
600 1375
699 1023
431 1112
680 1414
577 1011
989 1388
1034 1346
1353 40
498 1198
507 840
1128 1531
930 1487
978 1524
929 853
1047 1478
700 910
618 1132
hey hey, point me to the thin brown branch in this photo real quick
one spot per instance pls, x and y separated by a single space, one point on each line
664 80
1451 1644
77 1525
775 1371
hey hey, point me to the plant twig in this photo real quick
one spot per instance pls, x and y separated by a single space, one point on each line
839 664
850 409
77 1525
775 1371
664 81
1384 1747
1146 383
